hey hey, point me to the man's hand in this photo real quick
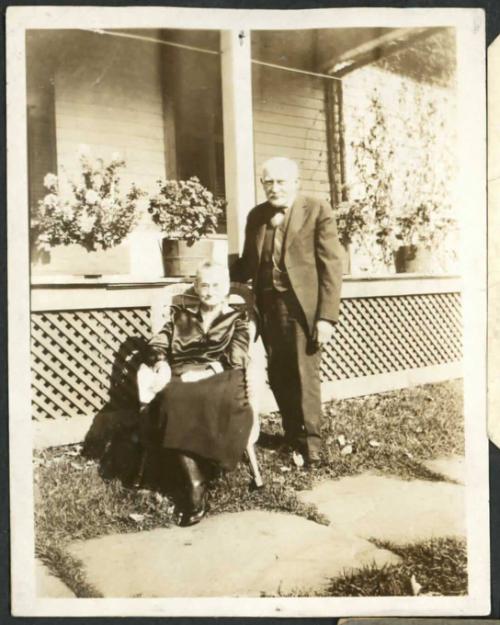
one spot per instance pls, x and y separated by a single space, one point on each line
324 331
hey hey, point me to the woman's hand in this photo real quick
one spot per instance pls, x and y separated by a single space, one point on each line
163 375
194 375
151 380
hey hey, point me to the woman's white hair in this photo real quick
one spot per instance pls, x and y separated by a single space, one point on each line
213 265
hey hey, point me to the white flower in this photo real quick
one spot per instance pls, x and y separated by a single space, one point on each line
98 180
67 212
414 238
50 181
86 223
116 156
50 200
91 197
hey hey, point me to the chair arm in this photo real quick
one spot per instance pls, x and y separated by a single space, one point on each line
251 381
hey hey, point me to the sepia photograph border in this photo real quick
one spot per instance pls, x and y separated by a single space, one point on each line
471 196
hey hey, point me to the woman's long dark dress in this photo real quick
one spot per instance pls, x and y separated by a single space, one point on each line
210 417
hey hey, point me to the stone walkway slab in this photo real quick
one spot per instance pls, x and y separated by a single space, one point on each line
251 553
56 432
388 508
47 585
452 468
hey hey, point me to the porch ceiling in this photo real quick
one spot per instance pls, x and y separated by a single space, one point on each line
331 50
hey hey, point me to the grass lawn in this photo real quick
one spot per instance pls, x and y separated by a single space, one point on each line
437 567
391 433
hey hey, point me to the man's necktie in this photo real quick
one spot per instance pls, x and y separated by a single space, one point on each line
280 278
279 236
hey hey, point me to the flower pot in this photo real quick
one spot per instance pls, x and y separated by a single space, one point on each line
413 259
77 261
181 259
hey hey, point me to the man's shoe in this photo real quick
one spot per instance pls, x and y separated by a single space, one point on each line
286 445
313 460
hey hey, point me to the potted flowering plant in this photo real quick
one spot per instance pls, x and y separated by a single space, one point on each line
91 212
413 234
407 235
403 184
187 212
351 219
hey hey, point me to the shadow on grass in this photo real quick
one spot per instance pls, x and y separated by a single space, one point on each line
270 441
113 437
121 439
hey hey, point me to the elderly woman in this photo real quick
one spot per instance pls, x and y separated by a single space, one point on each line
203 412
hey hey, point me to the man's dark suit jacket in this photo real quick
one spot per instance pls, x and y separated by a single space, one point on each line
312 256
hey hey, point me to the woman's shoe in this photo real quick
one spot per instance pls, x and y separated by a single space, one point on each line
195 507
187 518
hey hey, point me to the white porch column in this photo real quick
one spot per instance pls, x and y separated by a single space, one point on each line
238 133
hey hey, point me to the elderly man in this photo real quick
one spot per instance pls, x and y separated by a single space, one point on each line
293 255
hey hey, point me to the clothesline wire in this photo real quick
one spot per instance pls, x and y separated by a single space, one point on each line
163 42
295 70
184 46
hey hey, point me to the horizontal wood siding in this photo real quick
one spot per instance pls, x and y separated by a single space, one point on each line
289 120
109 98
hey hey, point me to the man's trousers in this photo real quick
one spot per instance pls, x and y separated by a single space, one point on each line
293 368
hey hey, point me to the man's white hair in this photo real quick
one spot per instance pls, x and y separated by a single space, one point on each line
281 161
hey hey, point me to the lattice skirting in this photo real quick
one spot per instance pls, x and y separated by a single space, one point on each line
83 359
386 334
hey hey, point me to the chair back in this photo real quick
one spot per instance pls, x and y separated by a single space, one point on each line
183 294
